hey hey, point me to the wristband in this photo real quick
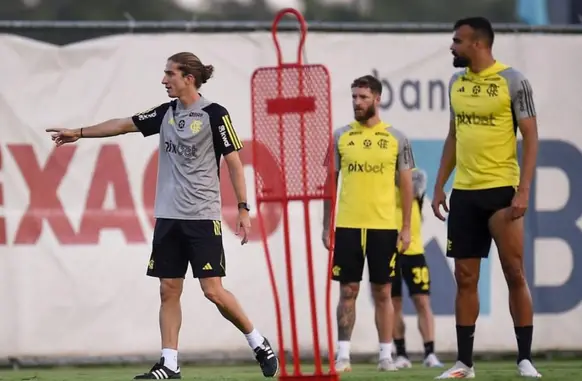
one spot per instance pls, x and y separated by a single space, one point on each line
81 131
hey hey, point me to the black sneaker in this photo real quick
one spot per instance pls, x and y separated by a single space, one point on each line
267 359
159 372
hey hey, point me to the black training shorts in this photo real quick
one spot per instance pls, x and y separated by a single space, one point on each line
468 223
413 270
353 246
179 242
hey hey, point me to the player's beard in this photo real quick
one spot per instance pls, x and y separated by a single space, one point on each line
459 61
367 114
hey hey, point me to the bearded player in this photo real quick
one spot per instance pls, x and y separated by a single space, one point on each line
489 101
370 154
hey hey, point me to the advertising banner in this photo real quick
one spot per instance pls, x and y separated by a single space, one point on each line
76 222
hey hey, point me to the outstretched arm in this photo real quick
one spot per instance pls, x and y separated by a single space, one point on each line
110 127
148 123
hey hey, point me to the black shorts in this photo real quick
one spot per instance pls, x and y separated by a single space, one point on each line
179 242
413 269
468 223
353 246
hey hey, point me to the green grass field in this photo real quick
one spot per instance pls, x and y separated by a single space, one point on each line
486 371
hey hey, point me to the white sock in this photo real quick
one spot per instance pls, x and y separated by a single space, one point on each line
254 338
170 359
385 351
343 350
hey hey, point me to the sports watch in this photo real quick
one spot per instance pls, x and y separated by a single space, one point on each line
244 205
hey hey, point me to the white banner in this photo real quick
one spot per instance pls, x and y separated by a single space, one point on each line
75 229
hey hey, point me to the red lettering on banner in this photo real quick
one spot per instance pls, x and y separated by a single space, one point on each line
43 184
110 171
269 171
2 218
150 177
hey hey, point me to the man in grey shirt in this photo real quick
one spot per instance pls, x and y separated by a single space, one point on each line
194 133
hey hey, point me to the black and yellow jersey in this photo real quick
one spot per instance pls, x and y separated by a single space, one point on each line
419 180
486 108
369 159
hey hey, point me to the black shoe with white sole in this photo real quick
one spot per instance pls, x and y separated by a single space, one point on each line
160 372
267 359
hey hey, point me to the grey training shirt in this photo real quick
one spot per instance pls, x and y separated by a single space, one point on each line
192 141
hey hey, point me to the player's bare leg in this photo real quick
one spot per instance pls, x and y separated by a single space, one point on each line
402 360
346 319
170 322
229 307
399 325
226 303
508 236
170 319
384 313
467 271
426 329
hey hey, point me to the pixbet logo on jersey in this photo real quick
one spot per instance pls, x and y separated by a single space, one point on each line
188 152
365 167
479 120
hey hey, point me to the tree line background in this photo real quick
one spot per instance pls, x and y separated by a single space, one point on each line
356 10
427 11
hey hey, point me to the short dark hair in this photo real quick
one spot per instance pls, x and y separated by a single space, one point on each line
481 26
370 82
190 64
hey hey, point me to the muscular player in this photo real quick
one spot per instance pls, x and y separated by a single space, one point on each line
490 101
370 154
194 133
413 270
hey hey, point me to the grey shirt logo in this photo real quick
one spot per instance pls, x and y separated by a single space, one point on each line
192 141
